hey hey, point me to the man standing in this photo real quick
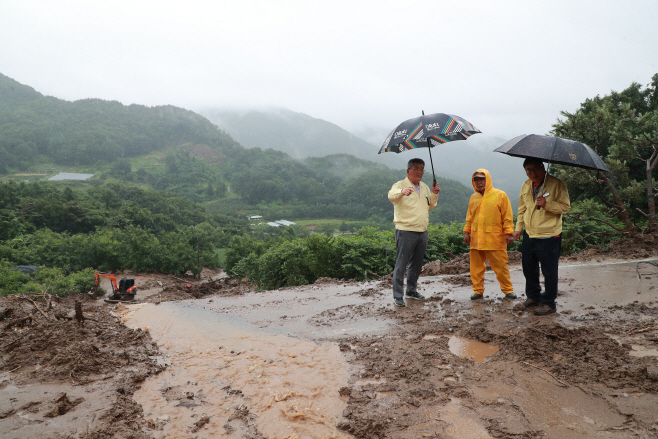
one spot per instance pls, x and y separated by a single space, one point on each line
489 230
542 202
412 200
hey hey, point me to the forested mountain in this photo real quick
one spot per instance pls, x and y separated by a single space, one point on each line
296 134
175 150
34 127
303 136
14 94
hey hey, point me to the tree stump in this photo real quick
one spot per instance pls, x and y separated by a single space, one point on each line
78 311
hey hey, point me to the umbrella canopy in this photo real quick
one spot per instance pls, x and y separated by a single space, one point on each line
553 150
427 131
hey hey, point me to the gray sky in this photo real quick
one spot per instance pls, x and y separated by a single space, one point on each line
507 66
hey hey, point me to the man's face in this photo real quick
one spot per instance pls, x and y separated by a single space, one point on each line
480 183
415 174
535 172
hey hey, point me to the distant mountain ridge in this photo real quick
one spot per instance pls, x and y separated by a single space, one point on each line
296 134
302 136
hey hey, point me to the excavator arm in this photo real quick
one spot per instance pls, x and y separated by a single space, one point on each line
124 289
109 276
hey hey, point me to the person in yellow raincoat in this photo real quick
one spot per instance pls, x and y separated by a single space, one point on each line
489 229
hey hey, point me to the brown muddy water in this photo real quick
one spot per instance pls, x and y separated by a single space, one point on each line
275 361
218 362
470 349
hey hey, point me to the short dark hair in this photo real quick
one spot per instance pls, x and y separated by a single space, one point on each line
415 161
532 161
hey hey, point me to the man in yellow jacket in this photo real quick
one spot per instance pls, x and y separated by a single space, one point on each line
542 202
489 229
412 201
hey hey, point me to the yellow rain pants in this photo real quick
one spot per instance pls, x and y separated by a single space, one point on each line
498 262
488 220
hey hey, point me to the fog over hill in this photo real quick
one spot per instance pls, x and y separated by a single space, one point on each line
302 136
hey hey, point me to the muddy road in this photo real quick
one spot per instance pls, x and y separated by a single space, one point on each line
336 359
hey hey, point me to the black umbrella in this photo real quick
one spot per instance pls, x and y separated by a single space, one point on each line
553 150
427 132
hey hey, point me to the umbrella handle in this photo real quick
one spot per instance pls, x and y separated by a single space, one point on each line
429 147
544 182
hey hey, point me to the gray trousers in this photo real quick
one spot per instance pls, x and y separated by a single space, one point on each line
410 251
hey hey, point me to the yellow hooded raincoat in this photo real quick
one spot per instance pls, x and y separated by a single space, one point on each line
489 217
488 220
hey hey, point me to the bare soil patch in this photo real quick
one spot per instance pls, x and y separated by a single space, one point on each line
185 289
411 373
204 152
638 246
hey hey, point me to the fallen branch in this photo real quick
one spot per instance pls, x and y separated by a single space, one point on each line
553 376
608 223
602 234
632 331
17 322
546 334
646 215
637 268
35 305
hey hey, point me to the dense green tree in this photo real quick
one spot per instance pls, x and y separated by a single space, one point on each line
622 127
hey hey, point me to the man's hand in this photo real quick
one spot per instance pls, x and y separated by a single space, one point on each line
407 191
541 202
436 189
467 238
509 238
517 236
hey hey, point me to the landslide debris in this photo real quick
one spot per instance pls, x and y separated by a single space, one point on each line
42 342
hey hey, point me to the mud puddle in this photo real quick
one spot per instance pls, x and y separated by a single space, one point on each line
228 378
474 350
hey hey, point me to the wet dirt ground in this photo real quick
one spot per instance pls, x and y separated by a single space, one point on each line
336 359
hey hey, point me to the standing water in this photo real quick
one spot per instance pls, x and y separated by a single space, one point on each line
225 377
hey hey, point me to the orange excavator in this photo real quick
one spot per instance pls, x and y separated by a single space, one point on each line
126 289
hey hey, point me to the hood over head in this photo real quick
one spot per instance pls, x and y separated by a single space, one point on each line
489 184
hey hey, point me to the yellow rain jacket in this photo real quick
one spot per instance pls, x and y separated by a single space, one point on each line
489 217
411 212
547 222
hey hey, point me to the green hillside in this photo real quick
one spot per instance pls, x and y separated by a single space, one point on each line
177 151
35 128
14 94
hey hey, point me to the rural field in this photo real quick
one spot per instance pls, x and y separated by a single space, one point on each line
218 358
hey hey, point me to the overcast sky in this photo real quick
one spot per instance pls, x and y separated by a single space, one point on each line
509 67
